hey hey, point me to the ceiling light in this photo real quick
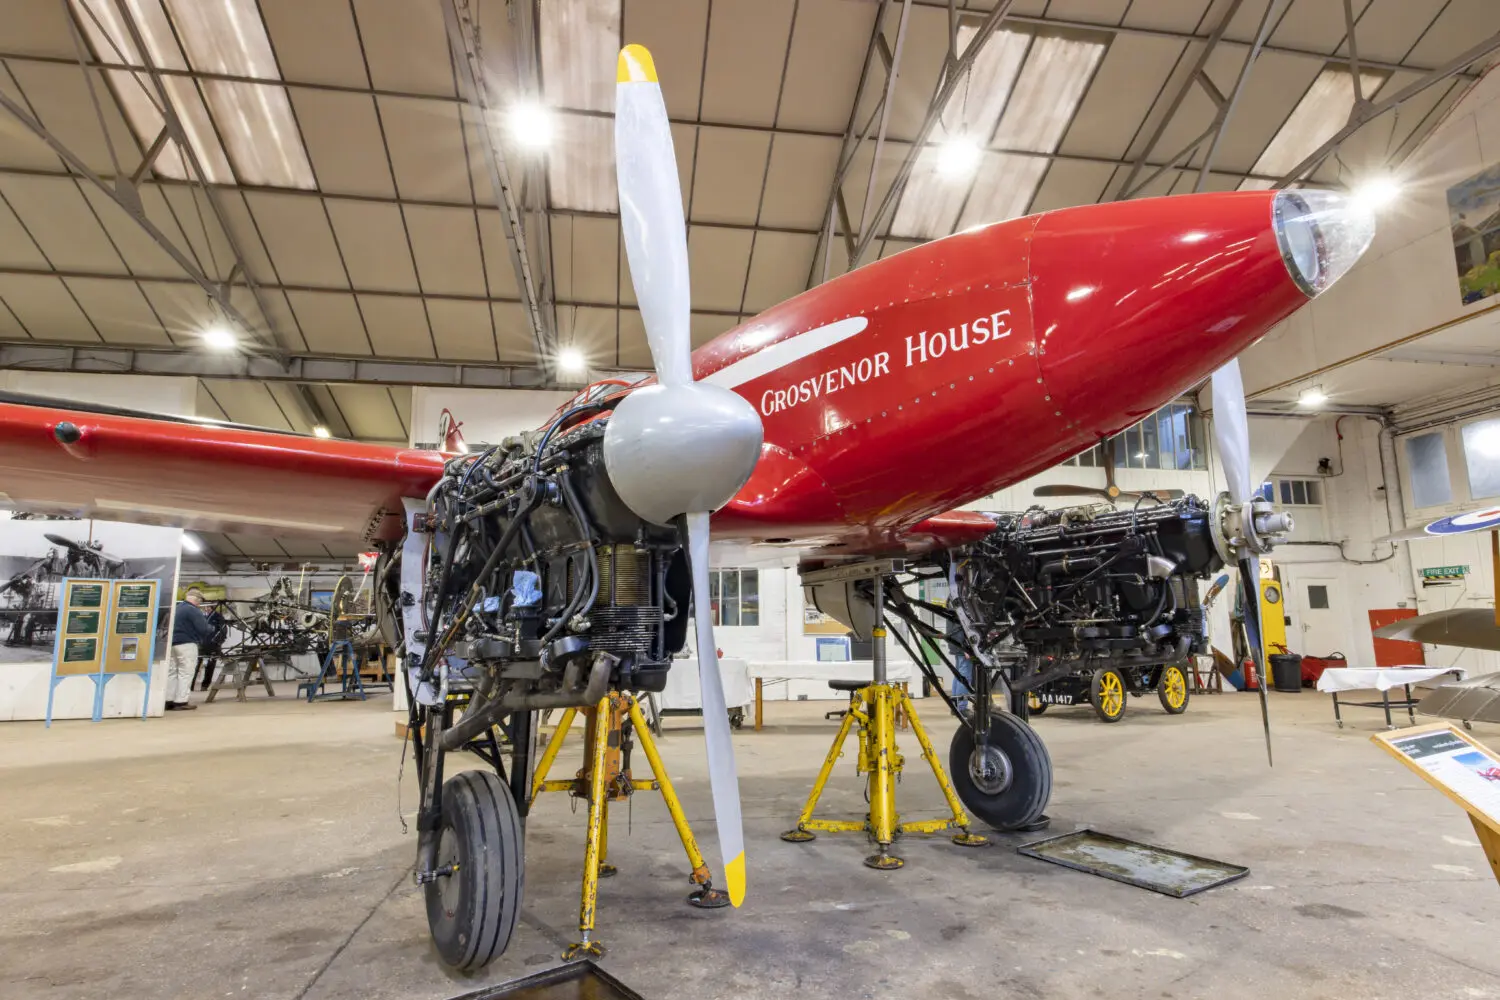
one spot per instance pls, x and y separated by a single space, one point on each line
571 360
1080 293
220 338
191 544
958 157
1376 192
321 431
1312 397
531 125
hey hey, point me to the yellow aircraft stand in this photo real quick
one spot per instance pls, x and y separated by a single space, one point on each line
605 778
873 708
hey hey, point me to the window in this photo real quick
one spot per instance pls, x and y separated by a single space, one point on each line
1317 597
735 594
1171 438
1427 460
1300 492
1482 456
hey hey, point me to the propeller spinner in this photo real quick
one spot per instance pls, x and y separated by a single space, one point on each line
679 449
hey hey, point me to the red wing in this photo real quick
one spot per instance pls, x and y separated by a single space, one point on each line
114 464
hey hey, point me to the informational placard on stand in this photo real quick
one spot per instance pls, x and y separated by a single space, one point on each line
1459 767
105 628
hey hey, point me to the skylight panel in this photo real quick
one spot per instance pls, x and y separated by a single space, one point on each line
1022 93
1323 110
580 40
581 164
1003 189
1046 95
217 36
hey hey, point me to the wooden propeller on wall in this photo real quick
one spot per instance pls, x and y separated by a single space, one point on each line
1110 491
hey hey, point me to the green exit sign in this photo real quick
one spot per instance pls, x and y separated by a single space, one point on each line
1444 572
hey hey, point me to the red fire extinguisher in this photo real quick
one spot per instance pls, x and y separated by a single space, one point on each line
1252 679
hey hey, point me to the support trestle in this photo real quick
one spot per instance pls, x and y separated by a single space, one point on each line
874 709
604 778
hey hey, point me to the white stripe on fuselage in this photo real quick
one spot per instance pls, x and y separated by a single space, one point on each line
785 352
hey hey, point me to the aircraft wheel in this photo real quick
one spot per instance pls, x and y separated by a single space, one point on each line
1107 694
1008 785
472 910
1035 705
1172 689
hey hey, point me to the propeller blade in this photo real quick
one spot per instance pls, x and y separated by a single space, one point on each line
1250 587
1060 490
651 214
1232 430
1069 491
721 771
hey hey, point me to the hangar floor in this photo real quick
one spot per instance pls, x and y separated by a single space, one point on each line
255 850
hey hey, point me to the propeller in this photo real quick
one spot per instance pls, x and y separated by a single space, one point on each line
678 450
1110 491
1248 527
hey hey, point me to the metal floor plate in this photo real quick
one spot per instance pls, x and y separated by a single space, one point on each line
578 981
1156 868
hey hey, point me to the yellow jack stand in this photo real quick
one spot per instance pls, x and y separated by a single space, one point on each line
605 778
874 709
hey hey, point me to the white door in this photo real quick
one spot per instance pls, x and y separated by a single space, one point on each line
1316 603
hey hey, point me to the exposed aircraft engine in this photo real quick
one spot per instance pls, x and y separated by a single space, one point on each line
1092 581
539 586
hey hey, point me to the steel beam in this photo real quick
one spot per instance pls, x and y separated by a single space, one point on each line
893 70
303 369
1126 190
1226 107
472 85
1451 68
950 82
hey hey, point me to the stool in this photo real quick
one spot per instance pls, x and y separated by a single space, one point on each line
848 687
239 675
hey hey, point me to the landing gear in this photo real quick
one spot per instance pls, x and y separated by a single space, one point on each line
470 834
1008 781
474 889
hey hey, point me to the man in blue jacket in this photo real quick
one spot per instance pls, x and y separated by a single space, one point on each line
190 630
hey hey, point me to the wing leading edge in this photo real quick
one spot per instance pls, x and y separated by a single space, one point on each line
116 464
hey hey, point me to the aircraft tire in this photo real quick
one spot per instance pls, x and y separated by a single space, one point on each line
472 912
1014 790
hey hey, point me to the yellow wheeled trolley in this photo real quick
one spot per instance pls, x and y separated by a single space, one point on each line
604 778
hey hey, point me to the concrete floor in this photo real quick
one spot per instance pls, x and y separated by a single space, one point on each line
256 850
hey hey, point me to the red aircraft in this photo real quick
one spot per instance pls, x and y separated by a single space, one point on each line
852 419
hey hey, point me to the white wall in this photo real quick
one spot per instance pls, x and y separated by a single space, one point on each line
486 414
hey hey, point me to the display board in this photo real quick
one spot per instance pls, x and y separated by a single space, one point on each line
132 627
81 611
105 628
1459 767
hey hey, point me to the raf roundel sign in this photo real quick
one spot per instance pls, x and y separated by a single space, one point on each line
1474 520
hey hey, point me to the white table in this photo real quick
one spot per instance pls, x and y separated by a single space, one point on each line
684 692
898 671
1382 679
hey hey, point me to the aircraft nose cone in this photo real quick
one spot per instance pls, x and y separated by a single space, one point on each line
1135 302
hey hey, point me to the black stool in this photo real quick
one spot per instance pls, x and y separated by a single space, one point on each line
848 687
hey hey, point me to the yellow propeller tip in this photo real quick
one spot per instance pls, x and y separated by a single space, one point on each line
734 879
635 65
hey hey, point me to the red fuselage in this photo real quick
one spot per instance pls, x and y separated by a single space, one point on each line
889 395
993 354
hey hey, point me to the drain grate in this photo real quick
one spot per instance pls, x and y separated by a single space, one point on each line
1156 868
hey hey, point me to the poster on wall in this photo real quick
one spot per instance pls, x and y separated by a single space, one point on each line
35 556
1474 218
